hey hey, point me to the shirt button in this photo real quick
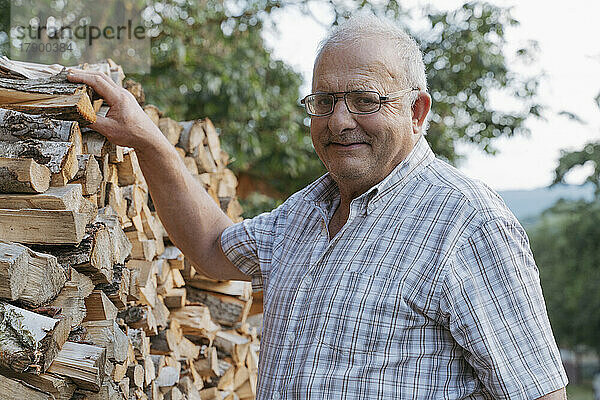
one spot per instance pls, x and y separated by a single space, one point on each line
276 396
307 281
291 337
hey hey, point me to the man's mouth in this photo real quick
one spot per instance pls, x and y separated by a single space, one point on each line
348 145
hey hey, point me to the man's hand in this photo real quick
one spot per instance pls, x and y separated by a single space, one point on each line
192 219
126 124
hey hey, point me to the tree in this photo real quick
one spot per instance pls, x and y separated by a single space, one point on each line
565 245
208 59
570 160
224 72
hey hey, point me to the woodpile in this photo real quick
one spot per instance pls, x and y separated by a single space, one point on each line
95 301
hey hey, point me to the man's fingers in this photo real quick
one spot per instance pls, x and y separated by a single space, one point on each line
106 90
105 126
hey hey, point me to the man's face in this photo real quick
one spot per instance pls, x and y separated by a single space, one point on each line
361 150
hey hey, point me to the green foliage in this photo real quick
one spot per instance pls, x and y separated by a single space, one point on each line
256 203
464 55
565 245
4 26
211 61
208 64
571 159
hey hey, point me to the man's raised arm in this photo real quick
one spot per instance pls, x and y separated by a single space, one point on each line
192 219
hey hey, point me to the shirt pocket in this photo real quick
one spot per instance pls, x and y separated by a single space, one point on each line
363 315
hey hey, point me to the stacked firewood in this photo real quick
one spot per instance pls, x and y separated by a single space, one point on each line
95 301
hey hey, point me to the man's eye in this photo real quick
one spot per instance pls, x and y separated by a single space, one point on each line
323 101
365 100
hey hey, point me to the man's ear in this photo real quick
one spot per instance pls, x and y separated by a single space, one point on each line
420 110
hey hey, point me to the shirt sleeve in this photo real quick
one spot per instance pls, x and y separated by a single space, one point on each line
249 245
495 310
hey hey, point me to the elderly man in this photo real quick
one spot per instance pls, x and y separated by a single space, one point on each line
392 276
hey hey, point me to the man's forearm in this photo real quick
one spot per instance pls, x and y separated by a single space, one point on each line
192 219
560 394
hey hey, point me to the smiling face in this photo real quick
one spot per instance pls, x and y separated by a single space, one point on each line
360 150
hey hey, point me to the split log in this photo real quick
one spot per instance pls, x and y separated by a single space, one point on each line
227 184
136 89
153 112
140 342
167 376
93 143
60 387
142 247
241 289
195 320
146 279
190 165
226 310
30 341
175 298
233 344
23 175
59 157
16 126
42 226
30 277
204 160
119 287
26 70
135 373
140 317
209 366
54 97
99 307
161 312
170 128
135 198
116 201
191 136
108 334
174 256
88 174
129 171
67 197
13 389
120 244
187 387
83 363
149 371
71 299
212 141
92 256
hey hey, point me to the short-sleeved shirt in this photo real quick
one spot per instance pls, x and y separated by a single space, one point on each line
429 291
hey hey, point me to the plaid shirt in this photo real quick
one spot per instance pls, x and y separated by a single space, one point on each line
429 291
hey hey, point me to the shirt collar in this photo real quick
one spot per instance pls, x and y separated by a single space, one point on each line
324 191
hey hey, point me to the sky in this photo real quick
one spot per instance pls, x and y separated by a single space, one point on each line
568 36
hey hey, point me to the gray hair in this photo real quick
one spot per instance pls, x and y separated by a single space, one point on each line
366 25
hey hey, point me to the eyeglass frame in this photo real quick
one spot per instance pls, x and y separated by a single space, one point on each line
386 98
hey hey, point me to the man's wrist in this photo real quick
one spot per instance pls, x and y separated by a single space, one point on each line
153 146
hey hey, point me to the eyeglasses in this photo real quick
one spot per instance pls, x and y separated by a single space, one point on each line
357 101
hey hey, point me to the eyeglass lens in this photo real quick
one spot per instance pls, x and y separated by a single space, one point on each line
357 102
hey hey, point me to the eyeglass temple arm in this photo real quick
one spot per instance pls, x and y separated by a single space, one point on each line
396 95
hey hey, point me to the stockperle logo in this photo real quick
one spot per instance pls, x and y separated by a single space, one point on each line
71 32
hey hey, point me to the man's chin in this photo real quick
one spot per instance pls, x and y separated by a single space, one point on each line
350 171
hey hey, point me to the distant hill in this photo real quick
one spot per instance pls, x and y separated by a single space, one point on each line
527 205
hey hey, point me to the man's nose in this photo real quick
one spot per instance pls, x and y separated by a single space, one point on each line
341 119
